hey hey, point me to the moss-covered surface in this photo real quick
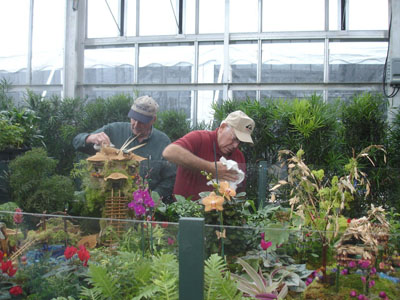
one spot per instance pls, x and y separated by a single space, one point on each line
348 283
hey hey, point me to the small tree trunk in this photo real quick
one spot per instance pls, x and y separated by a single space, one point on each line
324 256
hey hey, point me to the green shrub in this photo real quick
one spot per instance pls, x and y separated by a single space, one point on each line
173 123
35 187
19 129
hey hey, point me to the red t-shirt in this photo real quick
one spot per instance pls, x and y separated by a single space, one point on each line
200 143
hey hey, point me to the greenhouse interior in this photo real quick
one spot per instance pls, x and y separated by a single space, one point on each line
200 149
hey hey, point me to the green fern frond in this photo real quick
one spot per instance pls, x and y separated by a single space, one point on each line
167 284
146 292
218 284
90 294
102 282
165 262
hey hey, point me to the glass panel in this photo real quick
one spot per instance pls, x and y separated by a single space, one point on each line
292 62
205 99
293 15
14 15
368 15
212 16
346 95
356 62
334 15
110 65
211 60
244 95
166 64
48 41
289 94
130 18
103 18
171 100
243 60
190 17
157 17
243 20
92 94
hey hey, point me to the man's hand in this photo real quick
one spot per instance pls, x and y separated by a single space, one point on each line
98 138
225 174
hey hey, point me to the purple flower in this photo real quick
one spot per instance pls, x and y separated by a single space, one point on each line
353 294
344 272
361 297
382 294
364 263
352 264
363 279
371 283
373 271
141 200
309 280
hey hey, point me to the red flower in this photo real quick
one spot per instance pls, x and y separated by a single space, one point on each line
70 251
164 224
11 271
83 255
16 290
5 265
348 221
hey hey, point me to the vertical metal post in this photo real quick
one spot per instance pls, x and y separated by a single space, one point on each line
191 258
262 183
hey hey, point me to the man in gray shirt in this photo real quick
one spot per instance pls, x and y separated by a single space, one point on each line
143 114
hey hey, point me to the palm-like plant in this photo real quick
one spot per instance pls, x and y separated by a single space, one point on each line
259 285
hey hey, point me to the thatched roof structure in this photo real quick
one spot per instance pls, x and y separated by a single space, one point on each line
362 237
116 176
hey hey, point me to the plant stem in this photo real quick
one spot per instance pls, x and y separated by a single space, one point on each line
142 242
221 227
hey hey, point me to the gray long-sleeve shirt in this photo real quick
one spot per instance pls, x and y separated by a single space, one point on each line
162 173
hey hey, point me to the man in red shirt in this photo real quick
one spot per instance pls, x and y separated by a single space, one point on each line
194 153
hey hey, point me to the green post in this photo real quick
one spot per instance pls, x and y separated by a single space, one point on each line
191 258
262 183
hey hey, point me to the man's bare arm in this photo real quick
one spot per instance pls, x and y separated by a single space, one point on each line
184 158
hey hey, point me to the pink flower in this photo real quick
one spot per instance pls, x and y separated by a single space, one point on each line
171 241
18 217
353 294
363 279
265 245
373 271
262 235
344 272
